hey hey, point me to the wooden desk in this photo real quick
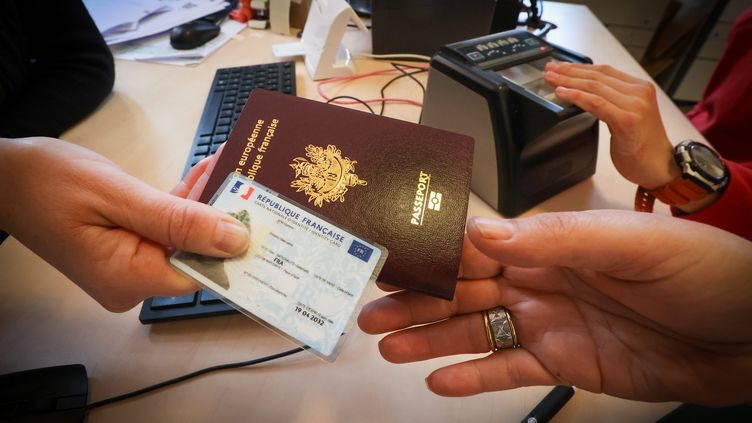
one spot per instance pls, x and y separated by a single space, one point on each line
146 127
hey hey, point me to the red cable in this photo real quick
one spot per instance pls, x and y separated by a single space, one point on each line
320 90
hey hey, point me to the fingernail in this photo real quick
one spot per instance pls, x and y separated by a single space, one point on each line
231 237
494 228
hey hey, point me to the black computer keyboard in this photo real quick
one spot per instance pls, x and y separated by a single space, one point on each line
227 96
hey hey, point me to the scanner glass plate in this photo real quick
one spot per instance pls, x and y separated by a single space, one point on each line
530 77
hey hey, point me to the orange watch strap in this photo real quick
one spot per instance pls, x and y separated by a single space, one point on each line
644 200
678 192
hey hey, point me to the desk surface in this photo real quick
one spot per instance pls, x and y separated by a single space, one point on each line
146 127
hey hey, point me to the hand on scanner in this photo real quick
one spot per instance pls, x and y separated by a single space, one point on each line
104 229
634 305
640 148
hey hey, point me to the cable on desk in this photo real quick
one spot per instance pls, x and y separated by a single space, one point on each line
333 99
347 79
397 56
192 375
534 18
399 67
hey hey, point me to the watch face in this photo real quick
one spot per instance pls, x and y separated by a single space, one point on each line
708 163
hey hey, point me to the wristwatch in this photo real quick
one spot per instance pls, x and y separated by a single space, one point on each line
703 173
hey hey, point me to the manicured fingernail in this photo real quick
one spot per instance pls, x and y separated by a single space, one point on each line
494 228
231 237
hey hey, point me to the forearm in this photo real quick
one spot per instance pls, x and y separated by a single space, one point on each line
730 209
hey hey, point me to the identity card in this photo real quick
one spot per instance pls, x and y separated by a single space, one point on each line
302 276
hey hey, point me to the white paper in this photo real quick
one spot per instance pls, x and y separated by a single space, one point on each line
122 16
288 49
158 49
139 18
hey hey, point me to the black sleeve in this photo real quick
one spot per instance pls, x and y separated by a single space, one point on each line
55 68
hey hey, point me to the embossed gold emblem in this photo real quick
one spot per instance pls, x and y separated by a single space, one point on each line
326 177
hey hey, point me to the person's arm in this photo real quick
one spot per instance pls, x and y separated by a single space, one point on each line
105 230
636 305
55 68
640 148
731 211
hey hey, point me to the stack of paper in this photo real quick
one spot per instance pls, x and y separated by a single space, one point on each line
139 29
158 49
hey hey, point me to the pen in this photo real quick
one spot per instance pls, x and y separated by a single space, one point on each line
550 405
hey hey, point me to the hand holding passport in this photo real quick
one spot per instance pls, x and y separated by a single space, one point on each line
400 184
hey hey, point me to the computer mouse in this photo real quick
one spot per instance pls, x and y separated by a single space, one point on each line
193 34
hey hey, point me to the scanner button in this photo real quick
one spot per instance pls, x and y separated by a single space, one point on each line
169 302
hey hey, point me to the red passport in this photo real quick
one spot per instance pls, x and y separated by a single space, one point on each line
400 184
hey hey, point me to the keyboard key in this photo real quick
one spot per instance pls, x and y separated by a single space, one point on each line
201 150
222 129
203 140
225 114
219 139
170 302
223 121
208 297
209 116
215 147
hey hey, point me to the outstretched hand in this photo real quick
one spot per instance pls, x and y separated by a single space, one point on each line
635 305
104 229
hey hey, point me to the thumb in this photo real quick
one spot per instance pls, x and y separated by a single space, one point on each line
181 224
601 240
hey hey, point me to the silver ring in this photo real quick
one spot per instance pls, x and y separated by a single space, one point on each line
500 329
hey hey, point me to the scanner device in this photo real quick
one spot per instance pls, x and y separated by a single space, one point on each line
529 144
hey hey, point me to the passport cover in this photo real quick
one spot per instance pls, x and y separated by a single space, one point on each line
400 184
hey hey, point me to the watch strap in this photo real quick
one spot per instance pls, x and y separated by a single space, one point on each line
644 200
678 192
